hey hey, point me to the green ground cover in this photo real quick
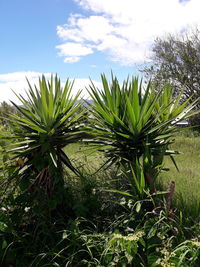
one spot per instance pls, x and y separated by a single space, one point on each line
59 209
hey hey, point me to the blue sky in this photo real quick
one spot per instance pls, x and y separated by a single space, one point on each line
83 38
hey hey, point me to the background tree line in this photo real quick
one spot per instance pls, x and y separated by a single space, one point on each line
5 111
176 60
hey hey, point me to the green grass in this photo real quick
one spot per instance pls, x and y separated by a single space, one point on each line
187 180
85 157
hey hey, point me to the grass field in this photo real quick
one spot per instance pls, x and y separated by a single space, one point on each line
187 179
85 157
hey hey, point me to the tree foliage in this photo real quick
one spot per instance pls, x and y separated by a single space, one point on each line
176 59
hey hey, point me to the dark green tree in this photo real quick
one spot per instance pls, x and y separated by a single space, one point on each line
176 59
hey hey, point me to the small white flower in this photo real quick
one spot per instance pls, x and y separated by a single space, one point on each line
27 209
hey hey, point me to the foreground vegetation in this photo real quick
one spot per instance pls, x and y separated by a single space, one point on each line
59 208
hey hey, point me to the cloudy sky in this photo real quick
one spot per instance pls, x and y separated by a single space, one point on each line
83 38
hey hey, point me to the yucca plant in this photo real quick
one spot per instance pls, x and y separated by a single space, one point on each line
134 126
49 119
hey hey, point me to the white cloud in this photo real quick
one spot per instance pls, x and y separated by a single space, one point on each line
22 75
71 59
82 84
124 29
72 51
16 82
